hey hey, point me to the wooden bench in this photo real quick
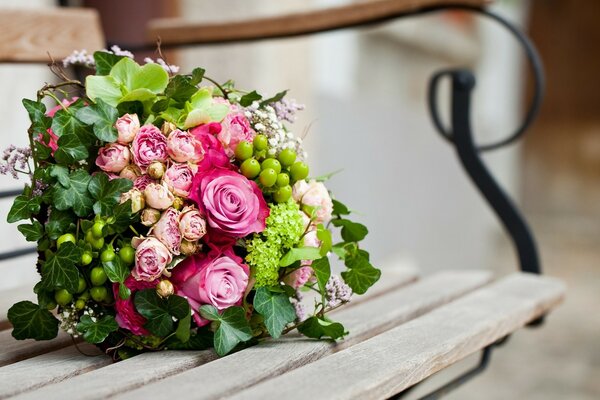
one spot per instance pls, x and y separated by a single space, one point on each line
403 331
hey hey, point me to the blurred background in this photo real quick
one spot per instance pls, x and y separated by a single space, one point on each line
364 91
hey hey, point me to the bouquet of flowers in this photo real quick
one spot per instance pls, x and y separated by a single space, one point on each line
169 214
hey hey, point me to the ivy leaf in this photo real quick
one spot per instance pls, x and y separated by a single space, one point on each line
183 329
70 149
60 271
322 270
274 99
64 123
275 308
339 208
30 321
60 222
103 117
317 328
121 218
124 291
160 312
116 270
105 61
249 98
23 207
197 76
233 327
361 275
76 195
61 173
180 88
300 253
40 122
32 232
351 231
107 193
97 329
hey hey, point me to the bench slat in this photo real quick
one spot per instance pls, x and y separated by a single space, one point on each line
148 367
276 357
401 357
12 350
48 368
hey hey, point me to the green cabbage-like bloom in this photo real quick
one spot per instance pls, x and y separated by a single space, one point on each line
284 227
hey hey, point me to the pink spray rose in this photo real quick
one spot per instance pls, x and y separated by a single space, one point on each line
127 317
191 224
178 178
158 196
235 128
149 145
315 195
142 181
214 154
299 277
182 146
53 140
232 204
127 127
151 259
167 230
218 279
113 157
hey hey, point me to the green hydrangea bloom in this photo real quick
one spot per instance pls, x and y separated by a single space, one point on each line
284 227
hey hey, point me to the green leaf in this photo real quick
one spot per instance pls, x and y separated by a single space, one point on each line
124 291
275 308
116 270
32 232
351 231
105 88
40 122
107 193
95 330
197 76
160 312
61 173
60 222
105 61
70 149
274 99
142 95
183 329
339 208
322 270
249 98
180 88
21 209
121 218
200 341
150 76
324 235
30 321
102 116
76 196
361 275
233 327
64 123
60 271
298 254
317 328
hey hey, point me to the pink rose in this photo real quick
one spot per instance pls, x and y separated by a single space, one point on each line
183 147
151 259
142 181
127 317
191 224
299 277
127 127
131 172
314 195
149 145
214 154
235 128
232 204
178 178
167 230
113 157
158 196
218 279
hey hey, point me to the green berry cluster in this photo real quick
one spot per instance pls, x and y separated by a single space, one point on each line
274 175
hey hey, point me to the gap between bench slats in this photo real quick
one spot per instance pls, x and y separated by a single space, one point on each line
397 359
250 366
136 371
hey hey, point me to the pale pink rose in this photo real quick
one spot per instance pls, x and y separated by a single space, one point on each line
314 195
113 157
136 197
149 216
142 181
311 239
218 278
149 145
183 147
167 230
298 277
131 172
127 126
235 128
158 196
178 178
191 224
151 259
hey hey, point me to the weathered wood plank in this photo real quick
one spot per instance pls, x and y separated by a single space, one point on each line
10 297
397 359
29 35
150 367
48 368
276 357
12 350
178 31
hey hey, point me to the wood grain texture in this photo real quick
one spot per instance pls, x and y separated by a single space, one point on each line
48 368
12 296
28 35
275 357
395 360
177 31
12 350
134 372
